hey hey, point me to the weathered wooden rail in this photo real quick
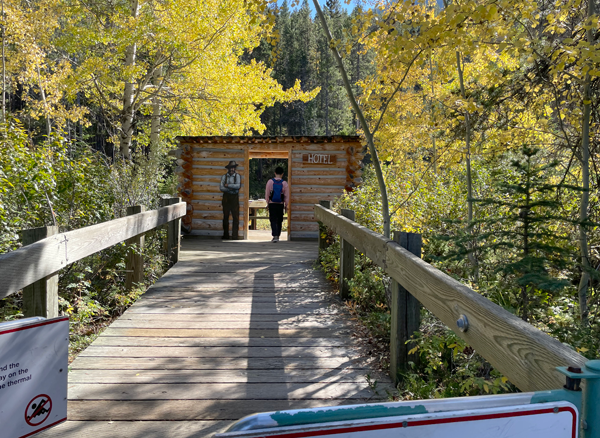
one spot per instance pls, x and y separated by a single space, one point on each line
524 354
34 267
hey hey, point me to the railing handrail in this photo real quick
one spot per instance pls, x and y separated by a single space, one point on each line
34 262
525 355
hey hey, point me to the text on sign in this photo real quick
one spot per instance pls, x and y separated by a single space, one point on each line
315 158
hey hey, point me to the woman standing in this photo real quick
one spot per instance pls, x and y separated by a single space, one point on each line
277 195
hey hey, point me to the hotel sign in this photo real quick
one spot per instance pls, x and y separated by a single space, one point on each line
321 159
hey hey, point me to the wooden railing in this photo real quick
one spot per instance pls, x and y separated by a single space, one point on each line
524 354
34 267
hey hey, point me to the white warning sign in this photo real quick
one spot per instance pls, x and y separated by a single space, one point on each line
547 420
33 375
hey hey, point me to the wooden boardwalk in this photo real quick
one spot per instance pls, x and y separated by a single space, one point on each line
234 328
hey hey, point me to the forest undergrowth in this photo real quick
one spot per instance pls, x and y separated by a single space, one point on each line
68 184
446 365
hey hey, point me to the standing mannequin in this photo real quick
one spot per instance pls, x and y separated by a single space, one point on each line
277 194
230 186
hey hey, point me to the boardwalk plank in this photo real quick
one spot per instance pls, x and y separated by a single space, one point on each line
150 323
217 376
241 290
222 352
226 333
220 391
238 317
235 282
181 410
219 298
136 429
128 363
221 342
201 308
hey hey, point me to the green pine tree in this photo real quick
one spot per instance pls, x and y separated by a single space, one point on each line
520 234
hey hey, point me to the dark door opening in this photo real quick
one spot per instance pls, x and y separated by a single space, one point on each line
260 171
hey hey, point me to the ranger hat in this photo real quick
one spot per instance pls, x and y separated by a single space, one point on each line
231 164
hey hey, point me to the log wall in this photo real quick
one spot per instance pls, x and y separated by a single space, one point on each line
202 162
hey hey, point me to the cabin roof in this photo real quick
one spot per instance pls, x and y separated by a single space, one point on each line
270 139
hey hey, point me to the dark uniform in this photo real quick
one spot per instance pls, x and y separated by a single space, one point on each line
230 186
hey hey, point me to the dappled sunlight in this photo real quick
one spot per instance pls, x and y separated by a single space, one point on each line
227 333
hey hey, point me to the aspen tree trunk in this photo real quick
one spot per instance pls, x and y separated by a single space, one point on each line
385 206
472 256
433 116
156 112
357 79
128 111
3 69
46 108
526 224
327 103
585 184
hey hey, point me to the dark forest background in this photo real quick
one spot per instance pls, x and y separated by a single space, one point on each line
302 52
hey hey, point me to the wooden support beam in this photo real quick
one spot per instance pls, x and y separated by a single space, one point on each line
41 297
262 217
135 257
173 232
405 313
322 229
346 260
164 202
174 235
246 191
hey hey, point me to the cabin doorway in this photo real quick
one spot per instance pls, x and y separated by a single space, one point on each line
261 168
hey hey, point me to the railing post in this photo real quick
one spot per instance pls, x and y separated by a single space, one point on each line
164 202
322 229
175 235
135 259
173 231
346 260
405 312
41 297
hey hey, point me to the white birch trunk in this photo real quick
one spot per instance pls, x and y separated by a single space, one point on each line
156 112
385 206
585 185
433 115
46 108
472 256
128 111
3 69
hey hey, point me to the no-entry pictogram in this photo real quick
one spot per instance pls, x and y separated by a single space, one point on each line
38 410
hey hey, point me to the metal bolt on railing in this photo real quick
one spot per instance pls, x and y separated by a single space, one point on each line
463 323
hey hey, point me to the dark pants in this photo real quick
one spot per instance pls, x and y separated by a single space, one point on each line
276 218
231 204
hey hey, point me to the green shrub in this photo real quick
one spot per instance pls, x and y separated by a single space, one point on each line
447 367
367 288
68 184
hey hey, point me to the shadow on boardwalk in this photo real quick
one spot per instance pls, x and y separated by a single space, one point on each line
234 328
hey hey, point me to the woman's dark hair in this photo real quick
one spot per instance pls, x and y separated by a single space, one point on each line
279 170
